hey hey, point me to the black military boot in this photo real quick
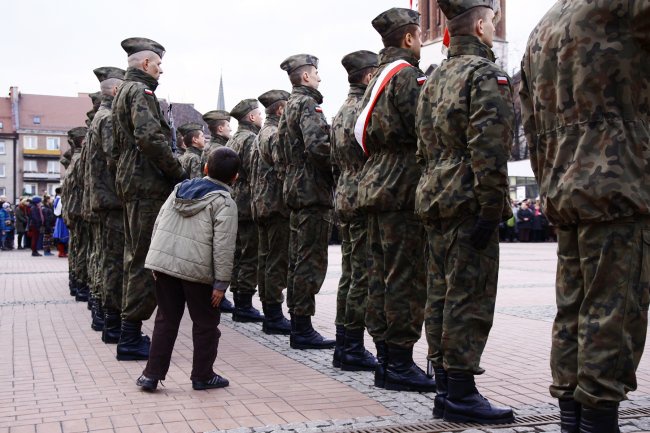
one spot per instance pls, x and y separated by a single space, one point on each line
112 327
274 320
133 345
465 404
98 315
403 375
338 348
441 392
83 292
601 420
382 360
569 415
304 336
355 357
244 310
226 306
91 296
72 283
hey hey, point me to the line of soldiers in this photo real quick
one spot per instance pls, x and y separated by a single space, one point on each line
413 169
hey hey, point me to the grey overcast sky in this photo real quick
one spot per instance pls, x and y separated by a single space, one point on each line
51 47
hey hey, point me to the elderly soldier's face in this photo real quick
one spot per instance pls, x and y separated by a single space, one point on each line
152 66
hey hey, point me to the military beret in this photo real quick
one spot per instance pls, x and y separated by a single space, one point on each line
244 107
393 19
106 72
453 8
135 45
77 132
216 115
359 60
95 97
189 127
272 96
292 63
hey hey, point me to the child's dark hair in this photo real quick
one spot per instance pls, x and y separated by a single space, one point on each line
223 164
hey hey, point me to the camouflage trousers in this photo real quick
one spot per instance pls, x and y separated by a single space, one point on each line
273 253
471 289
244 271
82 243
111 262
352 294
94 257
602 295
308 242
396 278
436 293
139 290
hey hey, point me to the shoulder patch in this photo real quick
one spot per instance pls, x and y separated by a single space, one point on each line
421 80
501 80
318 109
148 92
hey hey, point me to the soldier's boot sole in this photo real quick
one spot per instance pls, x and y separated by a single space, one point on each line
314 346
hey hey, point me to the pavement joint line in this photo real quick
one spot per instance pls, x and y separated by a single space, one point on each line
43 302
34 272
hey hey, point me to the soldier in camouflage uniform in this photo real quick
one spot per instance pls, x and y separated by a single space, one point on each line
397 288
244 273
303 135
146 174
348 159
106 204
96 99
462 197
585 102
271 216
194 140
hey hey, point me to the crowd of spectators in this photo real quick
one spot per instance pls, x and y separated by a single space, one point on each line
528 224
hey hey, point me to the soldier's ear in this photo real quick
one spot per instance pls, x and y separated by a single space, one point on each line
205 169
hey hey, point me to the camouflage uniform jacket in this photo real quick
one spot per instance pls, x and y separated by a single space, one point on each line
215 142
82 180
101 180
305 142
66 157
388 179
242 143
348 157
70 194
191 162
585 103
266 185
146 167
465 127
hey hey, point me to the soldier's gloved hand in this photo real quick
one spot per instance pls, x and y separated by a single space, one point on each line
482 233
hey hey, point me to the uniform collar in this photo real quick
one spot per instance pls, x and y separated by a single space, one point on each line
194 150
357 89
219 139
272 120
247 126
391 54
107 101
309 91
134 74
469 46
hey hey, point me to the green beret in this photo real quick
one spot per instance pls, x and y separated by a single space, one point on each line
393 19
106 72
244 107
95 97
292 63
216 115
189 127
135 45
78 132
272 96
359 60
453 8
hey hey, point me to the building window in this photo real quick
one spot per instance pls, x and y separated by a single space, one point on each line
30 142
29 188
2 172
53 167
30 166
3 147
3 190
2 125
37 120
51 187
53 143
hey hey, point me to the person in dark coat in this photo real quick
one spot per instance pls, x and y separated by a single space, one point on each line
36 223
525 223
22 216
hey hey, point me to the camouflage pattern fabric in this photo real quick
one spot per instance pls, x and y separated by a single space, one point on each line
388 179
191 162
94 257
66 158
242 143
585 120
436 293
589 142
215 142
310 233
244 271
112 260
82 230
138 291
273 253
146 167
396 278
602 295
346 273
303 134
465 152
352 295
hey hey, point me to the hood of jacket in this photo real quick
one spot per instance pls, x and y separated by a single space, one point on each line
193 195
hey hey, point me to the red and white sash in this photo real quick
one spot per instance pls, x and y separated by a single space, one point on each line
381 83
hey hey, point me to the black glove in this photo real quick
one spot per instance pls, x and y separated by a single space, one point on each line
482 233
